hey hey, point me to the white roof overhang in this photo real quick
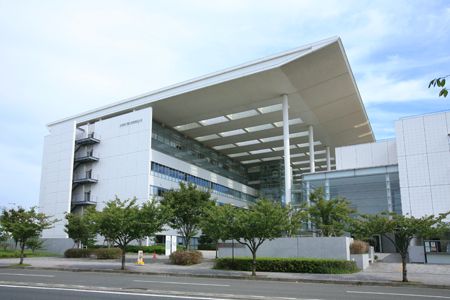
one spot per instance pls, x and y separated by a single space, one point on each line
237 110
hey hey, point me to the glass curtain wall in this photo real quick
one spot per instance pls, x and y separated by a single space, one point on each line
173 143
370 190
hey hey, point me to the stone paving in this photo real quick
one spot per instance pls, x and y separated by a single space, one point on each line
379 272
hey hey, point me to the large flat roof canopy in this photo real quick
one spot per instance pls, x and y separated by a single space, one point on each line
238 111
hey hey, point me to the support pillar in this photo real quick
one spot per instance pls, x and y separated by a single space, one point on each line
287 152
388 193
328 158
312 163
327 189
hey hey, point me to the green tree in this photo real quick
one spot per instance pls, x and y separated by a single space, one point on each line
80 228
217 222
185 208
121 222
440 83
399 230
24 225
4 237
331 217
35 243
262 221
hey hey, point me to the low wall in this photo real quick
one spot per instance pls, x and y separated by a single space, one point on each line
416 254
361 260
57 245
308 247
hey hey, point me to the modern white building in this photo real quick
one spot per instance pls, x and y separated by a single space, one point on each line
275 128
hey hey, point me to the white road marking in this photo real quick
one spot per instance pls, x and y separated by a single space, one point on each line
399 294
111 292
182 283
31 275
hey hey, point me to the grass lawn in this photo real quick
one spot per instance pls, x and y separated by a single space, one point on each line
11 253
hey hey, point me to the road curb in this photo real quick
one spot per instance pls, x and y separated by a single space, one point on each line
245 277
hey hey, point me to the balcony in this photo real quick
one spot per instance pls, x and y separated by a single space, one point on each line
87 157
87 179
85 200
90 139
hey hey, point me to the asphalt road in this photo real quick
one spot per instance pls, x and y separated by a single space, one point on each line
19 284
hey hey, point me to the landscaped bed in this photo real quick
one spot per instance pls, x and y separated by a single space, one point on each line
28 253
290 265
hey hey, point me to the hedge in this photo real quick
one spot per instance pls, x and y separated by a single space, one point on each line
182 257
108 253
206 247
100 253
159 249
291 265
78 253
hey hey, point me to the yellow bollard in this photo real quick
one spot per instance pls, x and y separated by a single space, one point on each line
140 259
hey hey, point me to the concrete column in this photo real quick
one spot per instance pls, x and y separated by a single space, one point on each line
327 189
287 152
328 158
312 163
388 194
308 203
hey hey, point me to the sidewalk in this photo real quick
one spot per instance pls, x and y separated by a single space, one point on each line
379 273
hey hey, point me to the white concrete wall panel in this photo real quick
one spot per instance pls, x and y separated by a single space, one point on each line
376 154
424 163
392 152
124 152
436 134
421 204
56 176
414 136
364 155
418 170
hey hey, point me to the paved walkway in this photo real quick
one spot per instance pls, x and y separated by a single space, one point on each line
379 272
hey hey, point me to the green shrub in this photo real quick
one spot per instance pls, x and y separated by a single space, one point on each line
359 247
108 253
78 253
206 247
186 257
159 249
292 265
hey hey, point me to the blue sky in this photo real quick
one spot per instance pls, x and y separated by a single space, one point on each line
58 58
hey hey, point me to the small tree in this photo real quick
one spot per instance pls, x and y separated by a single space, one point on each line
4 237
124 221
185 208
399 230
332 216
262 221
217 223
35 243
24 225
80 228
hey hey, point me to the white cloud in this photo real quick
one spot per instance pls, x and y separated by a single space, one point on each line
380 88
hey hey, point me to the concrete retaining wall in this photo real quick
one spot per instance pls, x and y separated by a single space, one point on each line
311 247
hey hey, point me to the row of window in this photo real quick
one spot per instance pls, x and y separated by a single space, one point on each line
173 174
175 144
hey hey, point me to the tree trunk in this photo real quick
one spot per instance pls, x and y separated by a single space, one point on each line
254 263
404 271
187 243
217 248
232 251
22 249
123 259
